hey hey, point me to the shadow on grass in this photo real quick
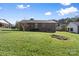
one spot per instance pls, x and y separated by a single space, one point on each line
3 32
9 30
39 31
26 31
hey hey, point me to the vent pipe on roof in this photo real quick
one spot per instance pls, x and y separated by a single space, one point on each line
31 18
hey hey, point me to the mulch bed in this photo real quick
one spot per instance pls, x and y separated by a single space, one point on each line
59 37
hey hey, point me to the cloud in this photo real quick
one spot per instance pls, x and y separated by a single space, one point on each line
67 10
22 6
48 13
65 4
28 6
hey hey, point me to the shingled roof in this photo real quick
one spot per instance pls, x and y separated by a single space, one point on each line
77 23
37 21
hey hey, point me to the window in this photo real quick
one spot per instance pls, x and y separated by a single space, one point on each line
36 25
71 29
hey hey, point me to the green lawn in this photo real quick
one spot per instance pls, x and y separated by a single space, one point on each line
20 43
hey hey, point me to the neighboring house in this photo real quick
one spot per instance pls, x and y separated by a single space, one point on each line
37 25
61 26
4 25
73 27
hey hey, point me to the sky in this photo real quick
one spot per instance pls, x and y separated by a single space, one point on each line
13 12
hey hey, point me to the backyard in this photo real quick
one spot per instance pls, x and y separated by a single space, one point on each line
19 43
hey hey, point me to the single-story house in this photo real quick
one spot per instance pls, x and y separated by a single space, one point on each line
37 25
4 25
73 27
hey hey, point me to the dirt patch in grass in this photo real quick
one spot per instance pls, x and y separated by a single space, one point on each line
59 37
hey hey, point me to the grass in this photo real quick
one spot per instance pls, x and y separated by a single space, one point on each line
18 43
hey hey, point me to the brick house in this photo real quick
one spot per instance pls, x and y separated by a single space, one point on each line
37 25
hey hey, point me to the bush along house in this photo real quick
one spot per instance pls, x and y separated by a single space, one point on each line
37 25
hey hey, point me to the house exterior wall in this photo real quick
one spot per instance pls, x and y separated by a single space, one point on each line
75 28
46 27
49 27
